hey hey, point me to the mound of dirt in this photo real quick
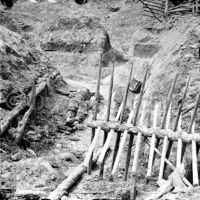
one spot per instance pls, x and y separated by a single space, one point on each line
81 38
19 64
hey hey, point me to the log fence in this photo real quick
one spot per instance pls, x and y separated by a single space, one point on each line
156 134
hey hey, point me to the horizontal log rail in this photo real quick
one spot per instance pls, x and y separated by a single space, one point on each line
160 133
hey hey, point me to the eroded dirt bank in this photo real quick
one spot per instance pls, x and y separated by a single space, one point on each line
36 39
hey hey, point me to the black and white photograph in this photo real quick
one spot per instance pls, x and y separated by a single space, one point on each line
99 99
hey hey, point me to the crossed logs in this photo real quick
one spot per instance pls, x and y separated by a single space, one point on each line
133 128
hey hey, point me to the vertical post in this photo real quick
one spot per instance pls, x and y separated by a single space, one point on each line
121 118
192 121
136 156
95 109
180 145
108 114
128 157
194 160
178 123
166 6
165 145
153 143
122 143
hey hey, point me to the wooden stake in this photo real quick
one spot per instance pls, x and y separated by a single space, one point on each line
165 145
136 157
95 110
134 123
180 145
107 143
177 121
192 121
122 143
121 118
108 114
153 142
22 124
138 142
194 160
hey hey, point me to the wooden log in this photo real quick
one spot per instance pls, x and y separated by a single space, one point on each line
153 143
22 124
188 108
166 6
71 180
108 113
128 157
12 114
165 145
95 108
110 134
121 146
147 132
194 160
121 118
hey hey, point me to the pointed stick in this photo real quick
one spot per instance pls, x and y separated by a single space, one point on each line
134 123
194 161
153 142
169 99
136 156
122 143
121 118
95 109
108 140
138 141
180 145
180 107
192 121
165 145
108 114
163 122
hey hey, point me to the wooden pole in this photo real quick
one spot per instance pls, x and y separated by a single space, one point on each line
194 161
108 140
22 124
166 6
121 118
192 121
122 143
108 114
165 145
177 121
136 157
153 143
134 123
180 145
95 110
164 119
